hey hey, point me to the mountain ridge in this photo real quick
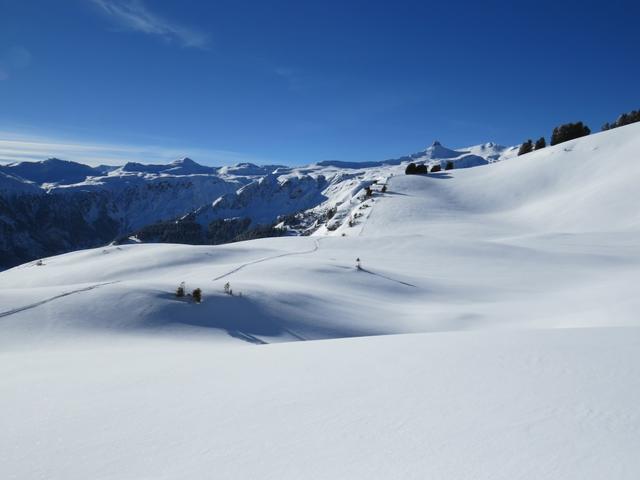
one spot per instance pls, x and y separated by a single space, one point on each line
134 199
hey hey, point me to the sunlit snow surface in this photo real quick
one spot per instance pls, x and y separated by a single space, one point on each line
515 284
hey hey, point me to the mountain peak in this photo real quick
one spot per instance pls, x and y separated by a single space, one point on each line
438 151
185 161
186 166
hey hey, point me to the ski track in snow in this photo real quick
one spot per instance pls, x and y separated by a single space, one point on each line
51 299
265 259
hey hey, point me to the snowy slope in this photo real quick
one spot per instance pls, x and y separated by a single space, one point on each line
514 285
554 404
492 151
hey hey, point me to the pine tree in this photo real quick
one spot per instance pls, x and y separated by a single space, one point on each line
411 169
448 165
526 147
569 131
540 143
197 295
624 119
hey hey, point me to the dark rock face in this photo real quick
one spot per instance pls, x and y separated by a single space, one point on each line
35 226
37 223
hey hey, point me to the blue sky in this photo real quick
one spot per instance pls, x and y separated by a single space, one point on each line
301 81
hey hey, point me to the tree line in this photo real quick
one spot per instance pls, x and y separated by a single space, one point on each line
420 169
570 131
624 119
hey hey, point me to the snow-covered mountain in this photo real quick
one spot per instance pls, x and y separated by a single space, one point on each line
57 206
52 170
496 310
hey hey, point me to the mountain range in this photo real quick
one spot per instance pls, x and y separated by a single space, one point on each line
55 206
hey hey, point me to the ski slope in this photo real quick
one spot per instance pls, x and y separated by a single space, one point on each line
496 316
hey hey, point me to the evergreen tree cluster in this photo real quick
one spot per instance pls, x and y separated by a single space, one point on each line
413 169
526 147
529 146
569 131
217 232
624 119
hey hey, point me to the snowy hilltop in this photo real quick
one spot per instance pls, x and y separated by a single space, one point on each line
476 323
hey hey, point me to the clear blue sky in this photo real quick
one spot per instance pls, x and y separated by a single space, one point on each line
295 81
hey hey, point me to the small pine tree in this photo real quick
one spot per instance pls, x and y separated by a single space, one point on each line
180 290
435 168
448 165
384 189
526 147
411 169
197 295
540 143
227 288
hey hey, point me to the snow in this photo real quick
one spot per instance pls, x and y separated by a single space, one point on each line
496 321
183 166
556 404
52 170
